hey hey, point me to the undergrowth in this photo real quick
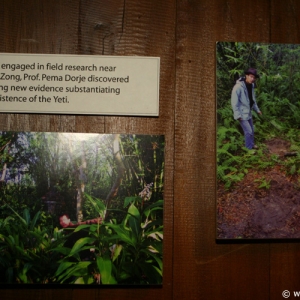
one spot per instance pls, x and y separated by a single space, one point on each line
234 160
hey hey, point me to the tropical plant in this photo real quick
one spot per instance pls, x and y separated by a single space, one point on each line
26 254
111 252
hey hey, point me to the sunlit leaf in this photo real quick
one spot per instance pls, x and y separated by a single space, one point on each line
116 252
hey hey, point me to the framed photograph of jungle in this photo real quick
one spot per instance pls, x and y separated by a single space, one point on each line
258 141
80 209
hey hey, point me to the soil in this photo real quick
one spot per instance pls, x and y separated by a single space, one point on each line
265 204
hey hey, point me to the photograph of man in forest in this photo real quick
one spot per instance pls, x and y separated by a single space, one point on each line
258 184
242 102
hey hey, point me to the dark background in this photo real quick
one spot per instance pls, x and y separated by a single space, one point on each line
184 34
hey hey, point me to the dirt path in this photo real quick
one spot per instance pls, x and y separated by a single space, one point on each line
265 204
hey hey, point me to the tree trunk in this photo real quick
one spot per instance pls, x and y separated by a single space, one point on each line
120 169
81 185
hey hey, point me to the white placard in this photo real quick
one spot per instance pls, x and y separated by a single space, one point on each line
79 84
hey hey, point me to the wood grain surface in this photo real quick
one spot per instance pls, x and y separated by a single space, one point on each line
183 34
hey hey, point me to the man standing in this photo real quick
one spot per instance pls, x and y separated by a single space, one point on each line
242 102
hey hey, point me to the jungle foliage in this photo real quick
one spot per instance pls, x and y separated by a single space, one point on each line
278 97
117 179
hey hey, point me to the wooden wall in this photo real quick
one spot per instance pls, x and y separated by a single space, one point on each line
183 33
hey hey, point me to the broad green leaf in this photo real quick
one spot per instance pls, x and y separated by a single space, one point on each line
80 243
62 267
155 204
132 210
134 220
93 227
123 234
154 256
81 227
156 235
153 226
84 280
98 205
22 274
159 271
105 268
78 270
26 216
152 249
129 200
116 252
158 204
